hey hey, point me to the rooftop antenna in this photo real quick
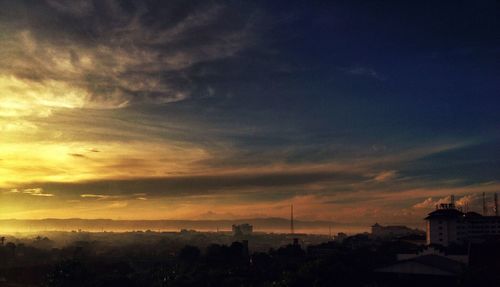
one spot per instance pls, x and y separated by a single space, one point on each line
291 220
485 211
495 207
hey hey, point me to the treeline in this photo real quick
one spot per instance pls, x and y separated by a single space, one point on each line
171 264
350 263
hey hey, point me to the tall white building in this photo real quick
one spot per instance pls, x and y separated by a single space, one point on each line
448 225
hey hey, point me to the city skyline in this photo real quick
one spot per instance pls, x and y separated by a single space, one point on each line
354 112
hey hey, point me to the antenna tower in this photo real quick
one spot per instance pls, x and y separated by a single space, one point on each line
495 207
485 211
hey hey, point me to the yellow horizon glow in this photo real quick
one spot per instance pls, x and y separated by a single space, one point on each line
52 131
30 152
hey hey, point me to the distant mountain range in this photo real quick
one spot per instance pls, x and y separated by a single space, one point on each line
260 224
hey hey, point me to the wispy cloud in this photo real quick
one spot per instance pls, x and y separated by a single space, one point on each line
109 66
363 71
175 108
97 196
31 191
385 175
430 202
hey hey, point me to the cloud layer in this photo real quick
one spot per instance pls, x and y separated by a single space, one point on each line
354 112
108 54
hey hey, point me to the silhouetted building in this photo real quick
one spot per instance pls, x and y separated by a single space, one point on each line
341 236
426 265
392 231
242 229
431 250
187 231
448 225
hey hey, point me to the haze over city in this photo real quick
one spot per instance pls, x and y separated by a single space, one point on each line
355 112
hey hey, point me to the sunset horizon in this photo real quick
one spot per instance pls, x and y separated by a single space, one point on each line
233 143
355 113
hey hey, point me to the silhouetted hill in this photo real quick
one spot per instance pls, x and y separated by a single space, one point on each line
260 224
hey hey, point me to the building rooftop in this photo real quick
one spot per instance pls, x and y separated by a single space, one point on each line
473 214
454 213
445 213
426 264
440 262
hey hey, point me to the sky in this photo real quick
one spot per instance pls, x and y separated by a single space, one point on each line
353 111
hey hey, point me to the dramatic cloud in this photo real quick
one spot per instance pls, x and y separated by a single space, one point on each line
171 109
110 55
